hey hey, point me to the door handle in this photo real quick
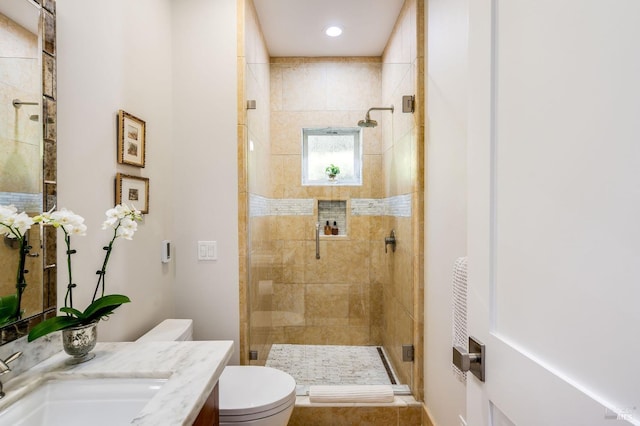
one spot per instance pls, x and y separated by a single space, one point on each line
474 360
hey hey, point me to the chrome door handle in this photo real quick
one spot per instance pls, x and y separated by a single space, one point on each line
473 361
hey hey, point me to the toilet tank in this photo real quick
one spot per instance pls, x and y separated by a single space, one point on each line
169 330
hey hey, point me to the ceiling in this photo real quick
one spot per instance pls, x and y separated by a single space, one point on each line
296 27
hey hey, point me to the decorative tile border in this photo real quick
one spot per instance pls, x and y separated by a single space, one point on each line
22 201
367 207
262 206
258 206
397 206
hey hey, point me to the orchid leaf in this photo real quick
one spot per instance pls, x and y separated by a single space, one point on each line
51 325
8 305
104 306
73 312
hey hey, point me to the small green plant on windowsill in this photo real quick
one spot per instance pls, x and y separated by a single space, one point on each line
332 171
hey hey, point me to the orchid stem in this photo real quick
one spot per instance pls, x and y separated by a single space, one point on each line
68 298
102 272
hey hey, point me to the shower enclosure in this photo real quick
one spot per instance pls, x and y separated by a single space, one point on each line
309 301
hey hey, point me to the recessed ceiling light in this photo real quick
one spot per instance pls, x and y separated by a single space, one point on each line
333 31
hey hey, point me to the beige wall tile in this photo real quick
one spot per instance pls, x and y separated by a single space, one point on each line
19 42
359 305
289 304
304 87
358 227
327 304
19 164
352 86
344 416
20 77
410 416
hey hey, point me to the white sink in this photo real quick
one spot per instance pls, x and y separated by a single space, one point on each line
71 402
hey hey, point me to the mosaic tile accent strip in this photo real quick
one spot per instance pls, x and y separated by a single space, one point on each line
291 207
329 364
367 207
258 206
262 206
22 201
398 206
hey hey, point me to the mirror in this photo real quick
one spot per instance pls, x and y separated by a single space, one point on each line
27 155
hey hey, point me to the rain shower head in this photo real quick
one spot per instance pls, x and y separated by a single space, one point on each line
368 122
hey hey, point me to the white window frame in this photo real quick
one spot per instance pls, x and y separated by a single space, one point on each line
357 155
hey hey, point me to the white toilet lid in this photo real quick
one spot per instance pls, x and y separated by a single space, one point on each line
252 389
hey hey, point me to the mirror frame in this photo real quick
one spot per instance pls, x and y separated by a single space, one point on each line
18 329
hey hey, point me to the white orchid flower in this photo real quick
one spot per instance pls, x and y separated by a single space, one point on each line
80 229
7 213
22 223
111 222
13 224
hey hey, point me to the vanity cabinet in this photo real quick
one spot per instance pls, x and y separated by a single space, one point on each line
210 412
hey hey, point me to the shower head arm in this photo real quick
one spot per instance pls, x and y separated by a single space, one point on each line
379 109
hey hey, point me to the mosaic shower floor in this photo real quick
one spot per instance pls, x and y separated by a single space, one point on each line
332 365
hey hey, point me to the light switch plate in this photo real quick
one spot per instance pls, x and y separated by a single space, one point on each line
207 250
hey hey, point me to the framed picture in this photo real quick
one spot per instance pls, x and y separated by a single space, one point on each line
131 139
133 190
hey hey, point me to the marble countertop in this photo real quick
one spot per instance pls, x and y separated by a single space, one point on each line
192 370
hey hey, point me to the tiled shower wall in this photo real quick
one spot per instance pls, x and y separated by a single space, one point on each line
335 299
19 136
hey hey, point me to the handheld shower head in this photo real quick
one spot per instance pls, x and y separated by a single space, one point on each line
368 122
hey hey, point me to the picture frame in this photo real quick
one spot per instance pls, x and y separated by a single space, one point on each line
133 191
132 139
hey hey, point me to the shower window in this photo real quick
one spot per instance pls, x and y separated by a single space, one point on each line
341 147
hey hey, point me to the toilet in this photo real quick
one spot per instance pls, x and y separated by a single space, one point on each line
249 395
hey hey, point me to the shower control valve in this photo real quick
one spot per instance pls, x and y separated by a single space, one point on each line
391 239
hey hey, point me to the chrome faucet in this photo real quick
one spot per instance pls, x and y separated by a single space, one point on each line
4 368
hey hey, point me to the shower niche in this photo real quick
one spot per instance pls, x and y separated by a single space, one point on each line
334 214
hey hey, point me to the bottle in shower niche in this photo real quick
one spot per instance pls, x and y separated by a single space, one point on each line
327 229
334 228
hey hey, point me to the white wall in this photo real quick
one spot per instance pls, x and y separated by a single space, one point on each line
205 159
445 199
114 55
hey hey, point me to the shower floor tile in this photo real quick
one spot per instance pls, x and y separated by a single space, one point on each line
329 364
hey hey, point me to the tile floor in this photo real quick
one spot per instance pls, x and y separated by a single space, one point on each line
331 365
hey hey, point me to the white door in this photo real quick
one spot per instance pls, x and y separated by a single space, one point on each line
554 211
